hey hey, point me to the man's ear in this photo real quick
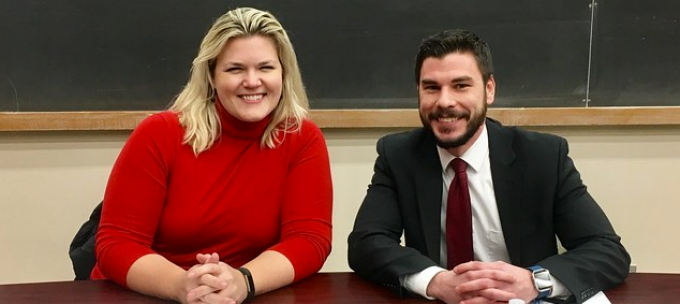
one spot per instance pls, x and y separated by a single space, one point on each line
490 90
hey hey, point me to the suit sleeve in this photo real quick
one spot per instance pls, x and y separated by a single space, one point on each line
595 259
375 251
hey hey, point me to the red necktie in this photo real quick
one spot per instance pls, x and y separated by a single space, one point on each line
459 218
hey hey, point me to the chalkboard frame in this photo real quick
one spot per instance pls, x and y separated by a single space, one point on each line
361 119
619 30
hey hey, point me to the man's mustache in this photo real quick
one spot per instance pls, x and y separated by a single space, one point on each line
448 113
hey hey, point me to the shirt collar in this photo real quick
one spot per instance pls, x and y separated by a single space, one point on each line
234 127
474 156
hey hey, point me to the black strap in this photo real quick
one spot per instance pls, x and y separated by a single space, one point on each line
249 283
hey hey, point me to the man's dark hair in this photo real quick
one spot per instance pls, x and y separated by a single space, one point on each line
455 41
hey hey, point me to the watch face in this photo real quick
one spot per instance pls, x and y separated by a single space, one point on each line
542 281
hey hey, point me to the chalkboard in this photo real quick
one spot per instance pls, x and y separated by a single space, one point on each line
636 58
88 55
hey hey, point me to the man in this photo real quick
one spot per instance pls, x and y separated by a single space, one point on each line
521 192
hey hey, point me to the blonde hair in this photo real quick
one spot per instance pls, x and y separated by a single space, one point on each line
196 102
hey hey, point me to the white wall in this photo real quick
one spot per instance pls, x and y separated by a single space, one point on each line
50 181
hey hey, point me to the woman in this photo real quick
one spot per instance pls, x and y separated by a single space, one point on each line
228 194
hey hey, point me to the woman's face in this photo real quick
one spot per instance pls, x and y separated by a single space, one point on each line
249 78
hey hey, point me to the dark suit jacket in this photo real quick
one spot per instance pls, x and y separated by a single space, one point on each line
539 194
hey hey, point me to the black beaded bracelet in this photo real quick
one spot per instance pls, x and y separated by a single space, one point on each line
249 283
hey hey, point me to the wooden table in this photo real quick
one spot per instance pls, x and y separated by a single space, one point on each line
647 288
340 288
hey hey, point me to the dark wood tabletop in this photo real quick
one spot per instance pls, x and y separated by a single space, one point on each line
340 288
647 288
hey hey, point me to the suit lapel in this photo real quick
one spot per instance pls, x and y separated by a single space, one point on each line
507 179
428 184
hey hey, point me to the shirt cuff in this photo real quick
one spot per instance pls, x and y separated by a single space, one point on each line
559 290
417 282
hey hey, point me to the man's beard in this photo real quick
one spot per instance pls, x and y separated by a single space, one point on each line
474 122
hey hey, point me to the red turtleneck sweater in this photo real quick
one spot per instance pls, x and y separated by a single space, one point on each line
236 198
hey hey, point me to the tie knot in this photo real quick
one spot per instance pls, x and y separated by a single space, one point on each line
458 165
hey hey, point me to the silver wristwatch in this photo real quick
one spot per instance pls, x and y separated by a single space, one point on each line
542 281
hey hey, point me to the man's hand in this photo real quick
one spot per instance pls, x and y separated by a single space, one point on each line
445 286
494 281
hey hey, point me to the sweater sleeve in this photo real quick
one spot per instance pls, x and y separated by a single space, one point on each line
307 205
134 197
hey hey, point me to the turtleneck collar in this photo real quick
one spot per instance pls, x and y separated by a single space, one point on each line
234 127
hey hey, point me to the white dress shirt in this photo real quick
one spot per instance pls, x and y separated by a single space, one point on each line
488 241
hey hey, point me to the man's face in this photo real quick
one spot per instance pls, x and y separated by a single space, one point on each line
453 99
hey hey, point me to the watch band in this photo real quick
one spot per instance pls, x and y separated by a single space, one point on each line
249 283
